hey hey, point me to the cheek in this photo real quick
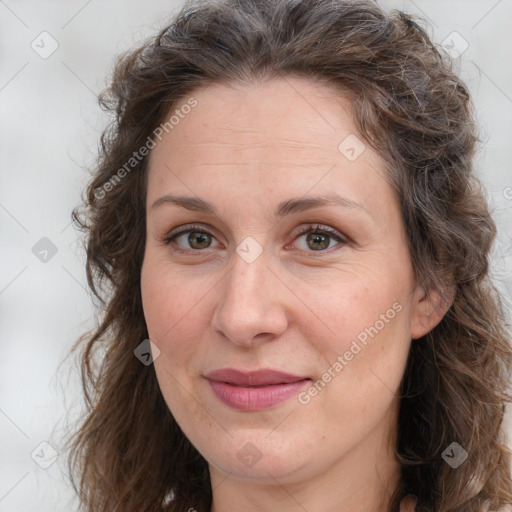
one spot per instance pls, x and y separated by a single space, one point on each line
168 312
176 320
182 398
369 354
362 304
169 299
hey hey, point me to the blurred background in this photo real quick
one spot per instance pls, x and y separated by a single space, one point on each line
55 56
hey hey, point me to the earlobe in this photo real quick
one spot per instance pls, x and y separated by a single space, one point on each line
408 504
428 309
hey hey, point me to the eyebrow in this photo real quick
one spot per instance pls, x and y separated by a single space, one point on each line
287 207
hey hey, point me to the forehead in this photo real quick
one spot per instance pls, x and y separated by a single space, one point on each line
285 110
285 135
288 117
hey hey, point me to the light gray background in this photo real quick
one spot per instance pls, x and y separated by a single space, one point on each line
49 128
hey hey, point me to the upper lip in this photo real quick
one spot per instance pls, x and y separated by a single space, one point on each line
265 377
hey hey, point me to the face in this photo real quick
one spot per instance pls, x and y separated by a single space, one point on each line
269 276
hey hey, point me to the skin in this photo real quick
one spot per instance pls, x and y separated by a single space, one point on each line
246 148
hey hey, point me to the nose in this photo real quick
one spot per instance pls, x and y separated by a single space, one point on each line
251 306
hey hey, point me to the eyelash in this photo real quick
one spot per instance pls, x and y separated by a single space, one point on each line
319 229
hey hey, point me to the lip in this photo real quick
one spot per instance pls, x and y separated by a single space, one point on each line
255 390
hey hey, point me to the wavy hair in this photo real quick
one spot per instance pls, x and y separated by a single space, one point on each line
128 454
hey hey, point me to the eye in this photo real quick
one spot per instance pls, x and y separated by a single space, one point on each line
319 238
195 236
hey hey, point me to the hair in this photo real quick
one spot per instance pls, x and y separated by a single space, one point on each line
129 454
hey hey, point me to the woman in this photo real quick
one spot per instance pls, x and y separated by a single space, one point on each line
285 206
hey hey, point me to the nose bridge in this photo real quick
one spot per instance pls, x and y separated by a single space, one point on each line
248 304
244 279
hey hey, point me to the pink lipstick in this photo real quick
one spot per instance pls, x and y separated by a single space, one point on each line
255 390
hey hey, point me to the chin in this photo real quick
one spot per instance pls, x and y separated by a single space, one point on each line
263 462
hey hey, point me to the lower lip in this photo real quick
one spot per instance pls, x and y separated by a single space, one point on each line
255 398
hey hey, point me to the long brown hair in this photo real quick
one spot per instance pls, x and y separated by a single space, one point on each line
129 454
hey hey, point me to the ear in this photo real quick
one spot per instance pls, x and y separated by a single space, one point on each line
428 308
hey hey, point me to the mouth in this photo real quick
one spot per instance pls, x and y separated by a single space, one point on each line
255 390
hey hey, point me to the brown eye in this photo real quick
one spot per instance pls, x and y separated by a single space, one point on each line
319 239
190 239
199 240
